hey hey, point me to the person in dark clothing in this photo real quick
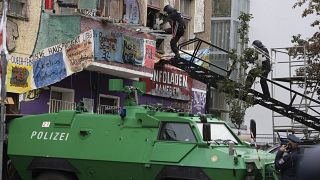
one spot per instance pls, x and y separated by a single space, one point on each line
310 165
263 68
177 27
287 158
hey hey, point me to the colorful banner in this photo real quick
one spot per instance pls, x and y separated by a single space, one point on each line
49 70
80 55
108 46
55 63
150 53
133 50
18 75
170 83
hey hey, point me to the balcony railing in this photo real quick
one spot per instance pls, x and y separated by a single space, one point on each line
106 109
57 105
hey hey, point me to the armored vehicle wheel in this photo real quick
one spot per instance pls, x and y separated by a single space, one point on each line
54 175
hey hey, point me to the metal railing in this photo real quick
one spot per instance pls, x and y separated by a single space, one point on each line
199 43
106 109
57 105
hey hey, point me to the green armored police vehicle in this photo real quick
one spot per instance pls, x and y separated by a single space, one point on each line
141 143
137 144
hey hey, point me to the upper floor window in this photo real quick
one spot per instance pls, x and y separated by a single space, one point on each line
154 4
111 8
172 131
185 7
67 7
221 8
17 8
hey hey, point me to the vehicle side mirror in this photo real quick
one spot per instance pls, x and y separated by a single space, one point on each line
206 131
253 129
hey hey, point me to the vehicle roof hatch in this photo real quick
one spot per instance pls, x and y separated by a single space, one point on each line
64 118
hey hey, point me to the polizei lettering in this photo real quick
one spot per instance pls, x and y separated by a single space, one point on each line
49 136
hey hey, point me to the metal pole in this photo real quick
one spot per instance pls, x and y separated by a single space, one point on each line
3 109
3 92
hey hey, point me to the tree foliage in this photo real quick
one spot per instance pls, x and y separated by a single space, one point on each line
239 64
311 45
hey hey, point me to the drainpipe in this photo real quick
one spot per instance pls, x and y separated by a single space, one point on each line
208 99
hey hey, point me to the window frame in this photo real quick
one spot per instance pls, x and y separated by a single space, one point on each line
13 13
63 90
238 141
177 141
186 16
103 11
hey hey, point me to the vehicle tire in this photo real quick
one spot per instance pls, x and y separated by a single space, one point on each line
54 175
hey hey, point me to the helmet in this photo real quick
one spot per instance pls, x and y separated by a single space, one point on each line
168 9
258 44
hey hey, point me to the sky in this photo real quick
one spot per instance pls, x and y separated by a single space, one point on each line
274 23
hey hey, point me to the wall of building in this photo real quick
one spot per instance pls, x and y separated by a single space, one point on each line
206 34
27 29
55 29
87 85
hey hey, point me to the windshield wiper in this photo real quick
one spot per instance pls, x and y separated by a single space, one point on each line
218 141
228 140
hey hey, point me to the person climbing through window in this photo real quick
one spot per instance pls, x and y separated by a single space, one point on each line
177 27
263 67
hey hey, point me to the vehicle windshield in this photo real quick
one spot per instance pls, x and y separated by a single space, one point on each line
220 134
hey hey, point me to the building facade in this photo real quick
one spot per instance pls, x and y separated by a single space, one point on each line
64 52
224 33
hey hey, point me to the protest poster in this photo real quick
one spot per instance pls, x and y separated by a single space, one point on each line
133 50
49 70
108 46
80 55
19 74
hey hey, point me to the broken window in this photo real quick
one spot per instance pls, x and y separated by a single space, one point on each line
112 9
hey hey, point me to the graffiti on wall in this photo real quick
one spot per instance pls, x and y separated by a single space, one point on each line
198 101
132 15
133 50
88 12
107 46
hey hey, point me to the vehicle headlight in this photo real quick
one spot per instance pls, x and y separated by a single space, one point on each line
250 167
